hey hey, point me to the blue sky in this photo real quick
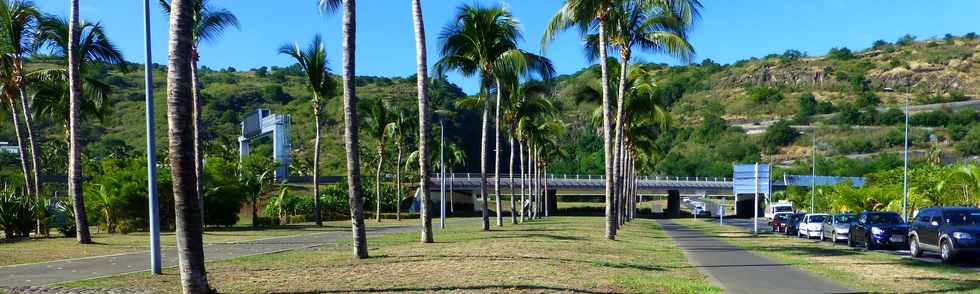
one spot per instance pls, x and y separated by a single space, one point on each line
729 30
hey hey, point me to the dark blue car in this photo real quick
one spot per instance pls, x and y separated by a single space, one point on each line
951 231
875 230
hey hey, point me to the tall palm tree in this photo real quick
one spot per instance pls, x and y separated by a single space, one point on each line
423 93
398 130
654 25
377 124
525 105
16 119
180 100
350 123
313 62
18 19
482 41
74 151
585 15
81 43
209 23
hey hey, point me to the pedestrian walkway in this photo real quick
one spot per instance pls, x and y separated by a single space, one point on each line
40 274
738 270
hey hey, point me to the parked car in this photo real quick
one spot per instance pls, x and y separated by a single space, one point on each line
951 231
837 227
810 224
878 229
779 220
792 224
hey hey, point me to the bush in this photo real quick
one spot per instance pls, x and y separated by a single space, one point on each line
879 44
963 117
930 119
764 94
867 99
970 145
841 53
907 39
892 116
16 215
223 195
779 134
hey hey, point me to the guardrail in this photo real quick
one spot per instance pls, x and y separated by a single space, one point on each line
468 176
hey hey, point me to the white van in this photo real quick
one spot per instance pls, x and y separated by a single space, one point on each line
777 207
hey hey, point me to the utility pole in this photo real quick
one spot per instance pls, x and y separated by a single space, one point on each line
813 176
151 160
905 170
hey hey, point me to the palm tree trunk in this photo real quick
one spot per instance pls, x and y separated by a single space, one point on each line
546 195
398 182
190 248
74 149
350 132
452 177
421 79
316 162
196 113
520 146
21 152
536 198
510 174
29 126
607 134
484 129
496 156
377 182
618 153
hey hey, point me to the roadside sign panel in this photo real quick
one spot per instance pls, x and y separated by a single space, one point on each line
746 177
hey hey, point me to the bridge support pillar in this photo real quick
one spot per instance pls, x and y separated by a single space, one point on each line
477 202
552 201
673 203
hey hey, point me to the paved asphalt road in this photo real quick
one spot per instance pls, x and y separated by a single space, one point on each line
737 270
39 274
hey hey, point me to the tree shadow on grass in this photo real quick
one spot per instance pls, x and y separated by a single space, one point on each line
547 236
419 258
955 286
481 288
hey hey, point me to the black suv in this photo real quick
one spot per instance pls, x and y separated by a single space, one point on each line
951 231
879 229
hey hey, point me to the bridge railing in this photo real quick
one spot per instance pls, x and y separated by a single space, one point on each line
473 176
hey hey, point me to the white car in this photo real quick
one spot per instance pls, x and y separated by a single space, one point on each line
811 225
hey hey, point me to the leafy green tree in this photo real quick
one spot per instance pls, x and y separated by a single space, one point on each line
18 18
970 144
376 123
779 134
907 39
867 99
891 116
840 53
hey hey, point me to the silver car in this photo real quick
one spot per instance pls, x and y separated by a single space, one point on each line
836 228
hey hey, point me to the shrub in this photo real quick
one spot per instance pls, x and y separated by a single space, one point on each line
957 132
963 117
779 134
907 39
223 194
930 119
807 104
764 94
879 44
867 99
16 215
970 145
892 116
841 53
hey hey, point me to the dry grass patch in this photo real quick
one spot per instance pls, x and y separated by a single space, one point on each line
868 271
559 254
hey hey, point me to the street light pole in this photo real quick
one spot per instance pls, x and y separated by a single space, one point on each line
813 176
905 169
442 167
151 168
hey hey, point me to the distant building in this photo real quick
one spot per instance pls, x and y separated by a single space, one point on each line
5 147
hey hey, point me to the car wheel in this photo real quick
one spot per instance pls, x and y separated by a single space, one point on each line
850 241
868 245
822 236
946 251
914 249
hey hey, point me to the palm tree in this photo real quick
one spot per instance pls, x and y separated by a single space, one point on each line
209 23
74 151
180 100
81 43
18 18
350 124
525 106
313 62
398 130
658 26
423 93
585 15
12 108
482 41
377 124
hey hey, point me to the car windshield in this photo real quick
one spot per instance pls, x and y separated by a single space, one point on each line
783 216
817 218
962 217
885 218
783 208
844 218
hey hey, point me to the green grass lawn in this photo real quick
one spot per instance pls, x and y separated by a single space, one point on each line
874 271
558 254
56 248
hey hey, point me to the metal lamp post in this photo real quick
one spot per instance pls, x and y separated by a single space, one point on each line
905 169
442 175
813 176
151 168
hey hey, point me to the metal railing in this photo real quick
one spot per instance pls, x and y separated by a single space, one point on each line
471 176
